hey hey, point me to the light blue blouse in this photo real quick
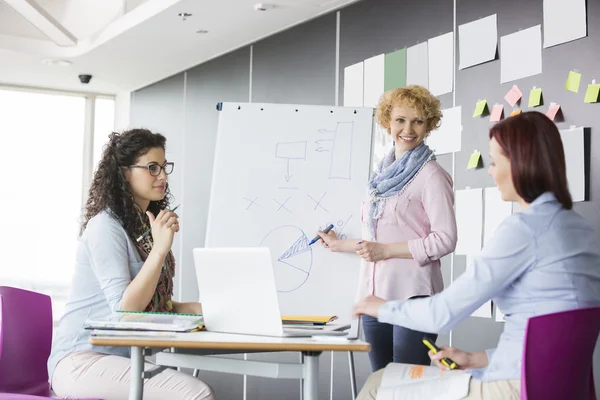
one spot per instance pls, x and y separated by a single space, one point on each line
543 260
107 260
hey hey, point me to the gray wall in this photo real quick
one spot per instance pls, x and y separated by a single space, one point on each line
298 66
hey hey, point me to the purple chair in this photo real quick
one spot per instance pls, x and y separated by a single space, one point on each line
25 341
13 396
557 356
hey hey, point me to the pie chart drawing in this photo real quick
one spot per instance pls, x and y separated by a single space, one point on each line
292 257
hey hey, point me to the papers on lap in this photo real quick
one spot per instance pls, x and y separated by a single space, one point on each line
413 382
147 322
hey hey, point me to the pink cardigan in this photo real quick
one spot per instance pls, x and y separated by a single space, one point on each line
423 216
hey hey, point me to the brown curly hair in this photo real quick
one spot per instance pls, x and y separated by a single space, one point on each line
413 96
110 190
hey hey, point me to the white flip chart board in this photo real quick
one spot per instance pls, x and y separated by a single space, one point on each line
281 172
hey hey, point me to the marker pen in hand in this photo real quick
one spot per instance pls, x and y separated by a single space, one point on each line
434 349
317 238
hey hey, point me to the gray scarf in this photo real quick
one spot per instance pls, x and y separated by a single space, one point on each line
392 177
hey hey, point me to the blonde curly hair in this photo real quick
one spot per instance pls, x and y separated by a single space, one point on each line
413 96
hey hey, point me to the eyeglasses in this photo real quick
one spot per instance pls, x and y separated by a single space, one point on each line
156 169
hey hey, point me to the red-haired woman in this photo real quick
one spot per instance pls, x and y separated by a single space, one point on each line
543 260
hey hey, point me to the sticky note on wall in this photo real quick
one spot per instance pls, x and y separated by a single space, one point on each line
535 97
480 108
474 160
573 81
515 112
591 94
552 111
513 96
497 112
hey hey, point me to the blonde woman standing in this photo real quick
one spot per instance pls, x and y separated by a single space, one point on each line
408 223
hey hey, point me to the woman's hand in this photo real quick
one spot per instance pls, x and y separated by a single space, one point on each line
463 359
187 308
164 226
328 239
369 306
371 251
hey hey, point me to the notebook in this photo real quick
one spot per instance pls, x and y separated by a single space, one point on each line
307 320
141 321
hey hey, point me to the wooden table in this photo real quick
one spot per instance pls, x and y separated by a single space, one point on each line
193 350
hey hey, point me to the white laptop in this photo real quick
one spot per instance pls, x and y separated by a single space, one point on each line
238 294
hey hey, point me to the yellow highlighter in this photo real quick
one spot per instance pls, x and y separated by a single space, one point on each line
431 344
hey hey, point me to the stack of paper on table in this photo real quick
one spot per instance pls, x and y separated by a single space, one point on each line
416 382
147 322
307 319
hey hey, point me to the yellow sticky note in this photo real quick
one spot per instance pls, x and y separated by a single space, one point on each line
573 80
515 112
479 108
474 160
591 94
535 97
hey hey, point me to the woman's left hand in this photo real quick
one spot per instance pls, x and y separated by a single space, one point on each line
371 251
369 306
187 308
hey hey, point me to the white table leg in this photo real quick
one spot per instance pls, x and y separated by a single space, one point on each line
136 387
311 375
302 380
352 374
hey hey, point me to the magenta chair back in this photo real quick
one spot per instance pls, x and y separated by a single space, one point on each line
558 355
25 341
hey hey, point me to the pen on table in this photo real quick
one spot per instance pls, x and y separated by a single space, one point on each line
149 229
317 238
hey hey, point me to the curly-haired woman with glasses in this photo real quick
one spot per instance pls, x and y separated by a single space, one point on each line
120 268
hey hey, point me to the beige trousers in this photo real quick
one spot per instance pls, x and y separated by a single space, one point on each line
90 374
496 390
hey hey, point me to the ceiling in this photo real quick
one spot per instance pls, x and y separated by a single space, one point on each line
129 44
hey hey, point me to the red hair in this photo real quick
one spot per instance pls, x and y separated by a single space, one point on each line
532 143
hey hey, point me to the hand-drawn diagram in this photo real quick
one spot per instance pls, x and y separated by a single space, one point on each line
321 143
318 202
338 227
290 151
340 148
292 257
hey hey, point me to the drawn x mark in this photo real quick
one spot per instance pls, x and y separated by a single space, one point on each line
318 202
282 205
252 202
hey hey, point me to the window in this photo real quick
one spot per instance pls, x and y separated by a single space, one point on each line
104 124
42 136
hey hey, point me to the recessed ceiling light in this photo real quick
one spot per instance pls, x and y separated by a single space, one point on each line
52 61
184 15
201 31
263 6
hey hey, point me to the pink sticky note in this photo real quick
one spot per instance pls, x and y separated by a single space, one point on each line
497 113
513 95
552 110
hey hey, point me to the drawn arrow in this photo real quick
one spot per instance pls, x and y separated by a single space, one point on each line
327 131
320 144
287 175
